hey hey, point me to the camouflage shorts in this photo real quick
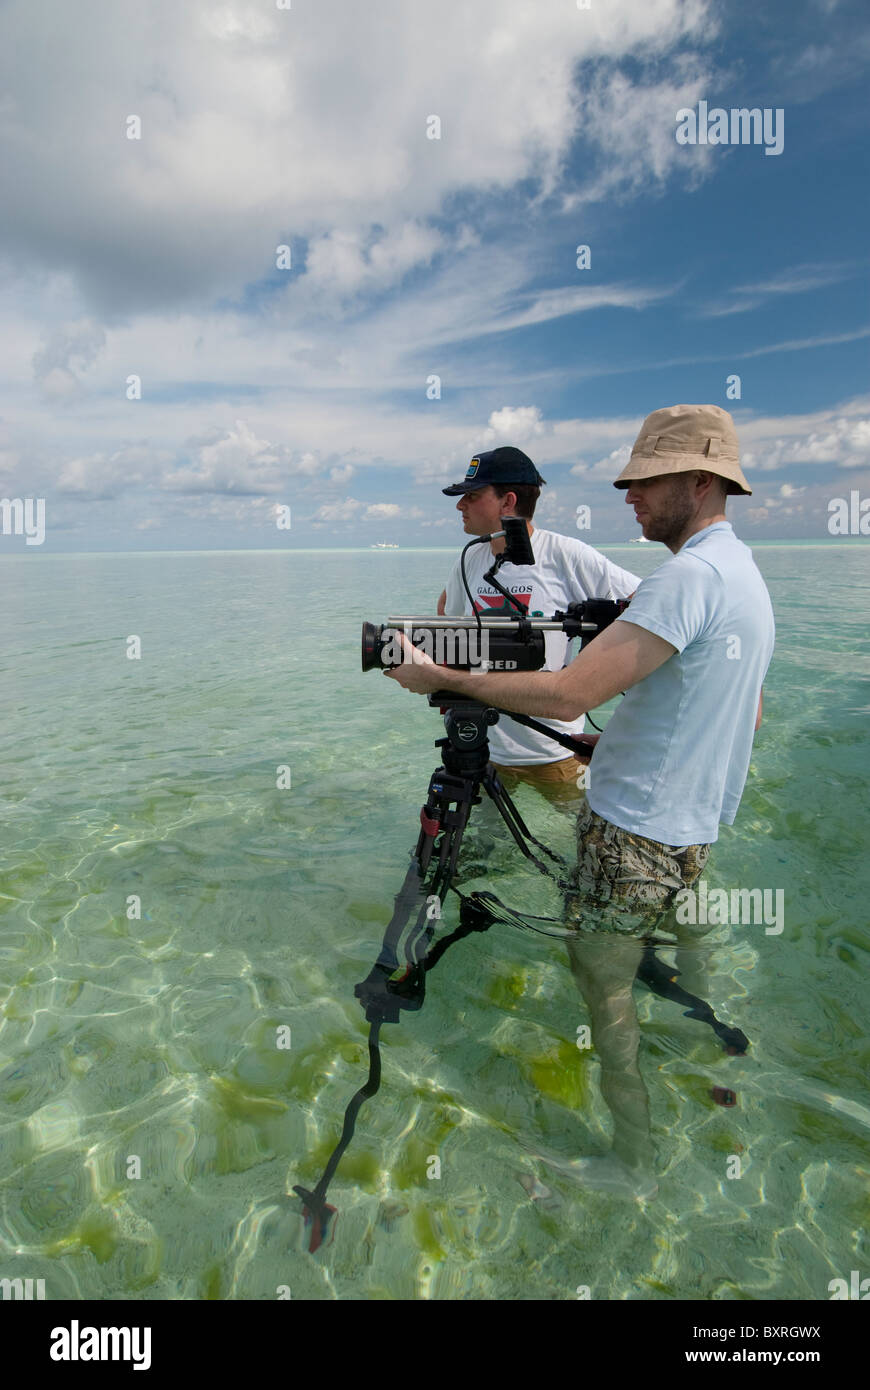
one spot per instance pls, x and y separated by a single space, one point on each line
626 883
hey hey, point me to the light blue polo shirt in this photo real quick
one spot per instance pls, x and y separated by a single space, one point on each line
673 760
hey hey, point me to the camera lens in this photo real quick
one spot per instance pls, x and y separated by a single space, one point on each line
371 646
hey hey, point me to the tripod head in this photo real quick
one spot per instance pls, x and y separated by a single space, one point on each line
467 724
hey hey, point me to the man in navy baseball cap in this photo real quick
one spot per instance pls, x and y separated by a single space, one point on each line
505 465
505 482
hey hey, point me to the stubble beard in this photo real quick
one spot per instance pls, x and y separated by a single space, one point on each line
673 519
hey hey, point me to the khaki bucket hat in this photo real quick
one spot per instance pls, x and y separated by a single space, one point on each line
681 438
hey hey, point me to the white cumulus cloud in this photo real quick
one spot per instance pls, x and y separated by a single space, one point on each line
843 441
608 467
338 511
261 126
515 424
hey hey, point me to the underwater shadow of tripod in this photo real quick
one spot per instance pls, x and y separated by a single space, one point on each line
397 979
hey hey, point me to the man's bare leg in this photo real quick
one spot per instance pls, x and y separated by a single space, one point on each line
693 958
604 968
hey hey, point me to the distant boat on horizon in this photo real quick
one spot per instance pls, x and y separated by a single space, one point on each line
639 540
384 545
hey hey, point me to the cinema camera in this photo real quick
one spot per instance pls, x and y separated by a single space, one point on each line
506 640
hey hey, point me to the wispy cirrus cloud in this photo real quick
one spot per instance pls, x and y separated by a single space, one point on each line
800 279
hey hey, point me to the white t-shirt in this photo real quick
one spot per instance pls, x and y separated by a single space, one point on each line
566 570
673 760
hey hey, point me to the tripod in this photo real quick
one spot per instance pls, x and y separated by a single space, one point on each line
394 984
397 979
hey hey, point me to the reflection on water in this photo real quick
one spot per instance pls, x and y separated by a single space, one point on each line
167 908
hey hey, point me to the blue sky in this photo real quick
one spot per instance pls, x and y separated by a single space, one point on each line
414 257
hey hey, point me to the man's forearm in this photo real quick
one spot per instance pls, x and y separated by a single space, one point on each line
533 692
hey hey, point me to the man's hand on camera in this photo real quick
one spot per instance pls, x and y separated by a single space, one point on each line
418 671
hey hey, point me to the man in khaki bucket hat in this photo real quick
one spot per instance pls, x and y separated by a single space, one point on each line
684 463
685 437
691 653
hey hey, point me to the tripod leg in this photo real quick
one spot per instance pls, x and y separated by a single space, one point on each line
443 819
507 808
407 900
522 836
452 840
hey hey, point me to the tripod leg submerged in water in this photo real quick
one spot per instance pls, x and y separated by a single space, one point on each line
398 978
389 987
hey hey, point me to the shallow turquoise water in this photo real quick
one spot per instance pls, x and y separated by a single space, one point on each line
152 1037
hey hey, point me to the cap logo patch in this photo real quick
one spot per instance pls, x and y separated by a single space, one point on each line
472 469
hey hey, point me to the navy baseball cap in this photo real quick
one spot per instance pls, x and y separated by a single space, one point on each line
505 465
